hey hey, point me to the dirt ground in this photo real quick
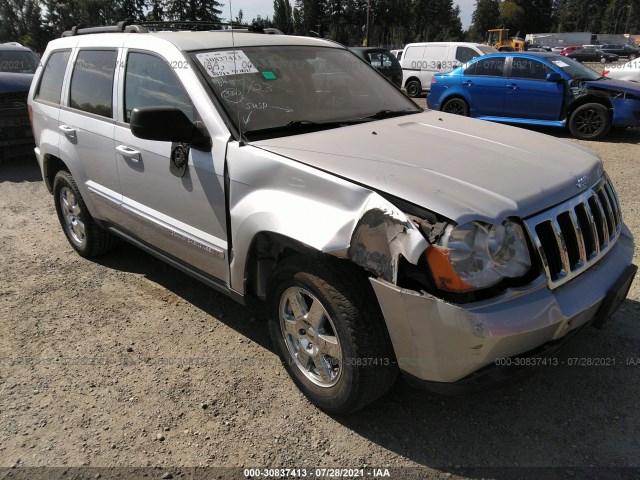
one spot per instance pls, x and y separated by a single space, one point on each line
126 362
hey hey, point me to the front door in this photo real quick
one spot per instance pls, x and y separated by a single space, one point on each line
529 94
179 209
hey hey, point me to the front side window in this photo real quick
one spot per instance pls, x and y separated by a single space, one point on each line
150 82
50 87
92 82
284 87
464 54
529 69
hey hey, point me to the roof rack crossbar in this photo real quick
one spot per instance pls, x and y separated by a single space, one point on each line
121 27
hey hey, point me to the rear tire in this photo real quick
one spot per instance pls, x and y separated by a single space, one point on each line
590 121
413 88
81 230
457 106
327 328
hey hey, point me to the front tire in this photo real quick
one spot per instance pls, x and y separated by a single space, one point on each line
457 106
590 121
413 88
81 230
329 333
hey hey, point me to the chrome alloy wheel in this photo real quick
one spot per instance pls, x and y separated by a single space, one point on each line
310 336
72 215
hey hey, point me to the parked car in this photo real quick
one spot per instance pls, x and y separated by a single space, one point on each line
570 49
591 54
538 47
557 49
382 60
17 66
624 51
420 61
629 71
381 238
397 54
537 89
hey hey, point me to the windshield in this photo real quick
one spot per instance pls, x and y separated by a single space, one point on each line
280 87
18 61
574 69
486 49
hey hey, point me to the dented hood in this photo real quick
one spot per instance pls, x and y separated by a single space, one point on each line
613 85
461 168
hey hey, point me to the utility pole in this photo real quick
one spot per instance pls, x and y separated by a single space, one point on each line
367 34
626 27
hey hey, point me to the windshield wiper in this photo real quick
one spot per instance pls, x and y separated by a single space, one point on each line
296 125
380 114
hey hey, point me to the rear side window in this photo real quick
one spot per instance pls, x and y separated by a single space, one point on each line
50 86
381 59
489 67
92 82
150 82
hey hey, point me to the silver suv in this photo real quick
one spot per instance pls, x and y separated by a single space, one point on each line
382 238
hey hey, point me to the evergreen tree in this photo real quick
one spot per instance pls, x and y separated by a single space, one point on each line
193 10
485 16
436 20
283 16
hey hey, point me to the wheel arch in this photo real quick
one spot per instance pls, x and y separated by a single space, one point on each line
51 165
452 96
601 98
374 243
411 78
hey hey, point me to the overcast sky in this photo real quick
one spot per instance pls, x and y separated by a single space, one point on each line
264 8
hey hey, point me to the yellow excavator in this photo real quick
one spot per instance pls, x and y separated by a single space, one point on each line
499 38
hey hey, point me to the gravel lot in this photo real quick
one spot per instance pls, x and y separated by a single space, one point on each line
126 362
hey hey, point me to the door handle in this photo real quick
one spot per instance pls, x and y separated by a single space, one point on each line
68 131
513 86
467 83
129 152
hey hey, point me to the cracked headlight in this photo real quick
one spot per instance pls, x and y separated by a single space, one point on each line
479 255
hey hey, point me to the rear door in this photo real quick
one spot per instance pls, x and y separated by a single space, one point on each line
529 94
484 84
86 128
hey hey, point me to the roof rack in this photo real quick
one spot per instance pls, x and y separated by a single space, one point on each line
121 27
171 25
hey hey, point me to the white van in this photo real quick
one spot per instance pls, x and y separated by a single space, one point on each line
397 53
420 61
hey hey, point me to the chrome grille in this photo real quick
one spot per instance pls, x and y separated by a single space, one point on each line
575 234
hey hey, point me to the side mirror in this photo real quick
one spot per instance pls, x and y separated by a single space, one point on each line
166 124
554 77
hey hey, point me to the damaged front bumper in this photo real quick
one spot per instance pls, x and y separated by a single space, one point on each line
626 112
441 344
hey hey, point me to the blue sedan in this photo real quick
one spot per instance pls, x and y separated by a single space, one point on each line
537 89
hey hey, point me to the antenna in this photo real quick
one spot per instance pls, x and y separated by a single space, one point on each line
235 75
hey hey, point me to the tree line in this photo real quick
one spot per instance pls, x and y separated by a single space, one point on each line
392 23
